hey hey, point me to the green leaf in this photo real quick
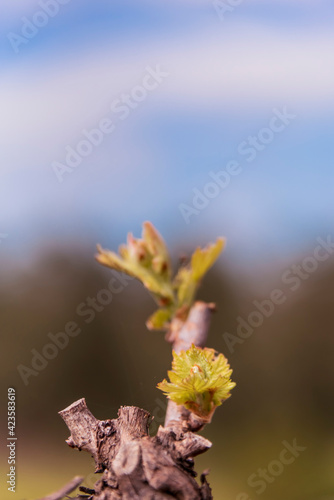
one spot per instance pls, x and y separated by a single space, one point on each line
157 248
160 319
188 278
203 259
200 380
147 259
185 285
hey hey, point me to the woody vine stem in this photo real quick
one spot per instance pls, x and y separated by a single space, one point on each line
133 464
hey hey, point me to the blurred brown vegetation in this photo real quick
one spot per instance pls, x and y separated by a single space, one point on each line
284 373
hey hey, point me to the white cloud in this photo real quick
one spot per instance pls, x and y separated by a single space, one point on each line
48 102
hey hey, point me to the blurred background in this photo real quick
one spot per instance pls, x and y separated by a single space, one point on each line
220 72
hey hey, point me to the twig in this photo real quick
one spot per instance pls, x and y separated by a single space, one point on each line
65 490
182 336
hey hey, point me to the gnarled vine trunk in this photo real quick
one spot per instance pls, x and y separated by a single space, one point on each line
134 464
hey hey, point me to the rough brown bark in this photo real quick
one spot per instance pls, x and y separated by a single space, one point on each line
134 464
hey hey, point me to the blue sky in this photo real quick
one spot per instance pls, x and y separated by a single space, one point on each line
225 77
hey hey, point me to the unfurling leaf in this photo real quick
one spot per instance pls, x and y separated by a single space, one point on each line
188 278
147 259
203 258
157 248
159 319
200 380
